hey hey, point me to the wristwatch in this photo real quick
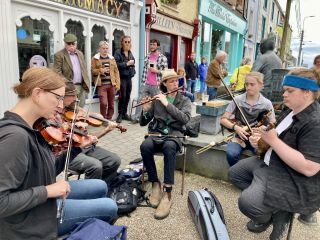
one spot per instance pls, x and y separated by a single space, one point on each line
234 126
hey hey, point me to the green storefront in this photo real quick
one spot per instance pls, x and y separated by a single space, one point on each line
222 29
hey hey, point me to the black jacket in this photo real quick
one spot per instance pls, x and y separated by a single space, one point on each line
192 70
27 166
126 72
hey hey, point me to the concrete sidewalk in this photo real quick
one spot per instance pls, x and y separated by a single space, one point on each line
179 225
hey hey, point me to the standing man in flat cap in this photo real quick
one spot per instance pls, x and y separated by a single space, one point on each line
70 63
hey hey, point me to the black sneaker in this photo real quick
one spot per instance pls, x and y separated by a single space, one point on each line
135 121
310 219
126 117
119 118
257 227
280 222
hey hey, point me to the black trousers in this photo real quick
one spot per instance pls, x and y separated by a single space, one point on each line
169 149
125 92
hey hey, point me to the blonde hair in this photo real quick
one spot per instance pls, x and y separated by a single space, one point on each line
40 77
102 43
258 76
181 72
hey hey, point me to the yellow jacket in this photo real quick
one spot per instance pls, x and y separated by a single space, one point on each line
238 76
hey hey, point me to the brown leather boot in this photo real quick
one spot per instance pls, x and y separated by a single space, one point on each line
156 194
164 207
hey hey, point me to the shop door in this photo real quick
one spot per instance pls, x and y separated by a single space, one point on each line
37 34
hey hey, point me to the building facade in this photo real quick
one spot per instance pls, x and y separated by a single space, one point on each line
175 26
223 27
37 28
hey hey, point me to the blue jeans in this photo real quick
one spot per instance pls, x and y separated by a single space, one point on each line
212 92
191 85
87 199
203 86
234 151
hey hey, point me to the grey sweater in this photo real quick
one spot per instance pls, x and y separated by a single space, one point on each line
27 166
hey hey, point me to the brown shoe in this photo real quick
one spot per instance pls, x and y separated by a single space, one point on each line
164 207
156 194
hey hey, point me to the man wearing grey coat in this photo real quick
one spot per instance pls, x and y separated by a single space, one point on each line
167 117
266 62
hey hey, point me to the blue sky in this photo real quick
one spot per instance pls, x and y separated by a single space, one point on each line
311 29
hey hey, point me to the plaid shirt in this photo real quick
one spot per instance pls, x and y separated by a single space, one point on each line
162 64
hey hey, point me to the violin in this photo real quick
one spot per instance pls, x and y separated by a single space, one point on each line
58 134
262 145
93 119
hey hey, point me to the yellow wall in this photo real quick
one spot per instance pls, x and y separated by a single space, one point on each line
186 10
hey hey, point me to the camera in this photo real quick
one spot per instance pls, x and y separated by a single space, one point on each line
106 65
151 65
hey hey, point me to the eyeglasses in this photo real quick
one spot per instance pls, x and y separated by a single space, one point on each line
127 41
71 43
58 97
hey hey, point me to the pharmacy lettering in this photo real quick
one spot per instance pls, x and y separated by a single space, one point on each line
112 8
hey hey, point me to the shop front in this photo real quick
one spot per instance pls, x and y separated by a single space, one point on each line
222 29
33 32
176 38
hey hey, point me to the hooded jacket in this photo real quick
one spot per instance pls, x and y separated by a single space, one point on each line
27 166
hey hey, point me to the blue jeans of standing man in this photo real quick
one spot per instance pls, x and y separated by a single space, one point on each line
203 85
234 151
87 199
191 85
212 92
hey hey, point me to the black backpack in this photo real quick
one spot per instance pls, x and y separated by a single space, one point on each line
127 194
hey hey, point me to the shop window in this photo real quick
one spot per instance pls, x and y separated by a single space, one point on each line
227 48
116 43
216 42
99 34
166 43
182 56
76 28
35 44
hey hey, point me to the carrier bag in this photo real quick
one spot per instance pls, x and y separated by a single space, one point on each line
96 229
207 214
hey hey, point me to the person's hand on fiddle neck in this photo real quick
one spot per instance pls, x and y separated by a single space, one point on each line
241 132
92 140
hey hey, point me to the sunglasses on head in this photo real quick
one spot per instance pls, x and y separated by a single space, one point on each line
71 43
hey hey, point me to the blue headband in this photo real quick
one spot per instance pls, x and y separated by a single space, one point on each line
300 82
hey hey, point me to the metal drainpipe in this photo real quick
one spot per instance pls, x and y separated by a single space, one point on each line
142 41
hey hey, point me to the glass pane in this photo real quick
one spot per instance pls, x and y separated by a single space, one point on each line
35 44
99 34
182 57
166 42
216 42
77 29
116 43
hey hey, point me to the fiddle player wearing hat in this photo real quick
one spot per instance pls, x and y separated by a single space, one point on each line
166 115
70 63
286 181
96 162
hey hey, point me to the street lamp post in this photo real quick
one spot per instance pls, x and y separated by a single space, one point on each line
301 39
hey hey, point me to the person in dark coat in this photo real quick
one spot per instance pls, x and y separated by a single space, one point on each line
126 66
167 116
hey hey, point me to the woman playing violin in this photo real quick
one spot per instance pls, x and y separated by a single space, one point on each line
287 180
28 186
96 162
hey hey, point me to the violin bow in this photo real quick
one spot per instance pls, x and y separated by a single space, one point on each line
235 102
60 211
94 89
